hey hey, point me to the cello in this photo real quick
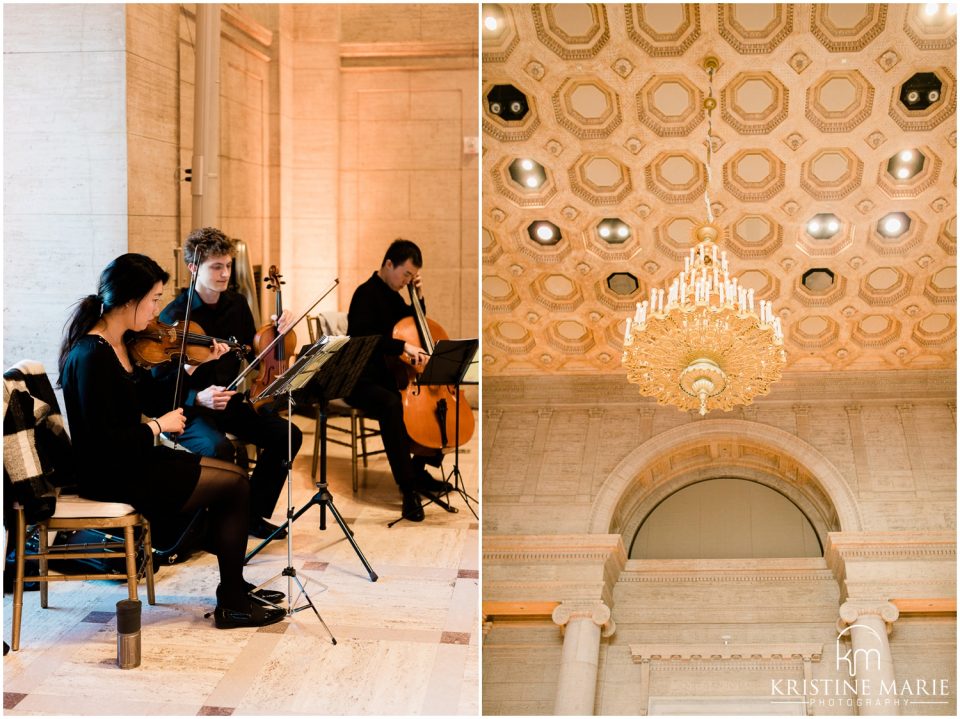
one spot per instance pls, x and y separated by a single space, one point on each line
429 412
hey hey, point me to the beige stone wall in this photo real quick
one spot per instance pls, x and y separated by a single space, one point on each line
154 129
551 442
310 150
65 166
405 109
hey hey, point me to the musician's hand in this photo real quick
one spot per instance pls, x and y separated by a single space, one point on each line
214 397
218 350
416 356
418 284
285 319
173 421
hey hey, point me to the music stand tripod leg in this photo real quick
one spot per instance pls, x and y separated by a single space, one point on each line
289 571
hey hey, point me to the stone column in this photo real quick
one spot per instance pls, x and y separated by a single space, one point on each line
868 660
582 623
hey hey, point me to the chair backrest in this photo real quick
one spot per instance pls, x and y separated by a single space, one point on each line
37 457
327 324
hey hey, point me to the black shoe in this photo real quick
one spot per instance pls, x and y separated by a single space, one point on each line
425 483
267 595
261 529
411 506
244 613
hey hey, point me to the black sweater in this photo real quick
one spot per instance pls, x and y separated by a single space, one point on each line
374 310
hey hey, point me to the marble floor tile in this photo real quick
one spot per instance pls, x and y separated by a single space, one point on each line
407 644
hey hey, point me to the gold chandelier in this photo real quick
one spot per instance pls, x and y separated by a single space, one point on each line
703 342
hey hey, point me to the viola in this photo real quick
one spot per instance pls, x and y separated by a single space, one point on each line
276 362
160 343
429 412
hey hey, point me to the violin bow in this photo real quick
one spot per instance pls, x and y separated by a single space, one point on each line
178 390
280 335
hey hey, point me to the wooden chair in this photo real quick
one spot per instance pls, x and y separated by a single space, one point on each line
334 324
71 512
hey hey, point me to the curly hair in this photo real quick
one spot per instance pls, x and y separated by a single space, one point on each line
208 242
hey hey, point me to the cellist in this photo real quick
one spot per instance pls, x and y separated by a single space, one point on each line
213 411
375 308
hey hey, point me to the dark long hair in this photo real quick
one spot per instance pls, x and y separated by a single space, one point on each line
129 277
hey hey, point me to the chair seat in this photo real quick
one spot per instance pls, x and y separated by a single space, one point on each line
339 408
71 506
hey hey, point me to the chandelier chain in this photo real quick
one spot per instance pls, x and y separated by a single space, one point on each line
708 106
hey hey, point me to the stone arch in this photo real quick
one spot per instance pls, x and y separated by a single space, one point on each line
621 494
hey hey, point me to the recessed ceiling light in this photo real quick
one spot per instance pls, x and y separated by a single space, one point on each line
931 8
527 173
893 225
921 90
951 8
823 226
490 22
507 102
544 232
613 230
906 164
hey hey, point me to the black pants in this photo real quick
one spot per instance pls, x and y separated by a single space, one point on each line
386 406
206 435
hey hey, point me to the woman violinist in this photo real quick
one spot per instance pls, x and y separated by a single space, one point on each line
105 397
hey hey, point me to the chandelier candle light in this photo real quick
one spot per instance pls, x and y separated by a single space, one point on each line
704 342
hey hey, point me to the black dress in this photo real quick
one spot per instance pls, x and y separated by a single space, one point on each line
115 453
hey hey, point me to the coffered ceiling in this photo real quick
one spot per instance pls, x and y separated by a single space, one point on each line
594 141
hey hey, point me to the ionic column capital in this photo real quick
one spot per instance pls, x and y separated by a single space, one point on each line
596 611
853 610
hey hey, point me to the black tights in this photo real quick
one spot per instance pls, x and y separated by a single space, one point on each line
223 488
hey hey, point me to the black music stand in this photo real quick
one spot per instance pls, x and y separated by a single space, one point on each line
306 367
335 378
447 366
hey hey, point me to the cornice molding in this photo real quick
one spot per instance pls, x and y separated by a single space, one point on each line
724 570
724 652
887 546
557 548
407 49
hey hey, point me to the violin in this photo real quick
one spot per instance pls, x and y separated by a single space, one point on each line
160 343
275 363
429 412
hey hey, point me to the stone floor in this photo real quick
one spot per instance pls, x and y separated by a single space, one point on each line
406 644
